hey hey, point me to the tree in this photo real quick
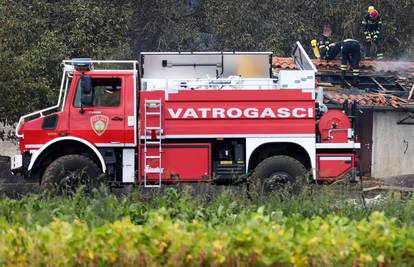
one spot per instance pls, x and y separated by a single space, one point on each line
37 35
168 25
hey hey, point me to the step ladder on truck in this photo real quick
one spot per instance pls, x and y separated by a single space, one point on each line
153 141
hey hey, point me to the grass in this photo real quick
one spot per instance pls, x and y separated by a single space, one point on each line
187 203
187 227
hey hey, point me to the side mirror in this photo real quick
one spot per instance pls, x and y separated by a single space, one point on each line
86 91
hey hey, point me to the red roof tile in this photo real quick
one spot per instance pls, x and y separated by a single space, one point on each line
281 63
366 99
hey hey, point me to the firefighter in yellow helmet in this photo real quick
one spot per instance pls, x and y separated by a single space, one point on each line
370 9
372 25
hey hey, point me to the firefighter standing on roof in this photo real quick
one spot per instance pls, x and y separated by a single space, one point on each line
371 25
351 54
325 43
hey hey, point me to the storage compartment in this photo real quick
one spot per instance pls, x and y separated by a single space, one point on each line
228 159
228 170
179 162
334 166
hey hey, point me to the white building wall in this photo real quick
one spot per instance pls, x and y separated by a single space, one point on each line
393 145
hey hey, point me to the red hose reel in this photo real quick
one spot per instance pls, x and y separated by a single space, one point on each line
334 127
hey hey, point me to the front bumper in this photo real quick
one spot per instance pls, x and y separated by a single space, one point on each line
19 163
16 163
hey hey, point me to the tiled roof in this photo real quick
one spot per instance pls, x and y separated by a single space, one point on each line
401 71
366 99
281 63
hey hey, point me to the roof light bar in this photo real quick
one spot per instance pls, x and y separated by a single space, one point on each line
82 64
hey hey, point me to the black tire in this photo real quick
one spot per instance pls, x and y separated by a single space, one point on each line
276 172
67 173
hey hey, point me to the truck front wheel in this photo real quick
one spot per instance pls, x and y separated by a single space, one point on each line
276 172
67 173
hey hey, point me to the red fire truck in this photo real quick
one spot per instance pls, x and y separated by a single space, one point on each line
186 117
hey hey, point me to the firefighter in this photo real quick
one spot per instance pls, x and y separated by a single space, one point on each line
325 43
350 50
372 25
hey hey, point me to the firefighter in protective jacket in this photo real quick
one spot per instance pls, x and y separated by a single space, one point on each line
325 43
350 50
372 25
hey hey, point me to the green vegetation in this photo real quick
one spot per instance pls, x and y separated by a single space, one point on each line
193 228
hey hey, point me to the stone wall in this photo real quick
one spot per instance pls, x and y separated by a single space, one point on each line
7 147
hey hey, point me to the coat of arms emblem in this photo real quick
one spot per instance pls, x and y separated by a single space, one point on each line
99 124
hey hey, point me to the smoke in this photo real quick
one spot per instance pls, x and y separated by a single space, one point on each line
401 66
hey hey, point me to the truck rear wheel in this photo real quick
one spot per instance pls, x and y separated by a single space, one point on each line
275 172
67 173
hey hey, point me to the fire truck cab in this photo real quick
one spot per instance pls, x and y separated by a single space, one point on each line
186 117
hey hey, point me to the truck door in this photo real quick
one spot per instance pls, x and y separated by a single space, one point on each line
103 122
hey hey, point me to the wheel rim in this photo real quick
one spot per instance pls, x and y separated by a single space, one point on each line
70 181
276 179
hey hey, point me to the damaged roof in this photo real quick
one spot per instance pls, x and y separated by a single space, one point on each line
367 99
283 63
383 84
